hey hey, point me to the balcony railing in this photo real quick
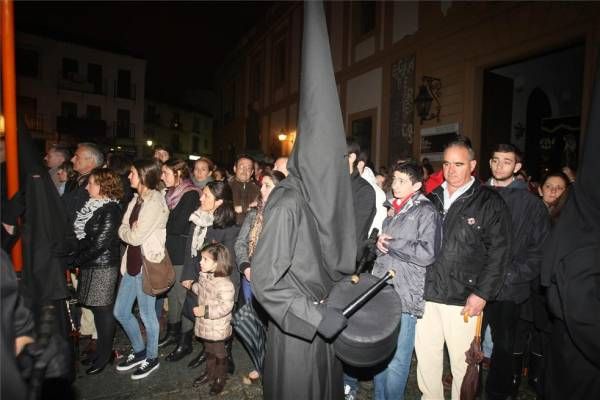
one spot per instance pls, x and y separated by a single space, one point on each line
124 91
34 122
79 83
123 129
83 127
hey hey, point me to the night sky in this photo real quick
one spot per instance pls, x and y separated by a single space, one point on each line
182 42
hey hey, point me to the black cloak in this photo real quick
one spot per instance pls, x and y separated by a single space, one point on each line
571 271
308 239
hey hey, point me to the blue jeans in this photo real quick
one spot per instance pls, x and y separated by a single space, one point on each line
130 289
488 344
390 383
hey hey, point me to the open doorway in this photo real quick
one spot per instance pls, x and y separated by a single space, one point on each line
535 104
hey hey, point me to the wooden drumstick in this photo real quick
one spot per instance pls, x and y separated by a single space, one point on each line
367 294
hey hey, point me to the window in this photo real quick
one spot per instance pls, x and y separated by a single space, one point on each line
68 109
363 18
94 112
279 63
70 69
94 76
123 123
151 115
195 144
27 62
124 88
196 126
229 102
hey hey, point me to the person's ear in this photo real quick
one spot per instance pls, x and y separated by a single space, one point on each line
417 186
218 203
518 167
472 165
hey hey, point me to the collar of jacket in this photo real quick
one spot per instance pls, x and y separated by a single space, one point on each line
438 193
148 194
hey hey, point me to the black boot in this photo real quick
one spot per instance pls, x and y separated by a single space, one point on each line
517 368
228 347
536 374
183 348
171 336
198 360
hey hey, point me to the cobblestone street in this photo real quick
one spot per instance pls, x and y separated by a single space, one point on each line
173 381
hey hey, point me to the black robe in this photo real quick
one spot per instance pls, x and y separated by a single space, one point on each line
289 281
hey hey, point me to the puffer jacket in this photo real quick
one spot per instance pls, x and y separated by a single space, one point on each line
150 231
217 295
101 245
475 247
416 232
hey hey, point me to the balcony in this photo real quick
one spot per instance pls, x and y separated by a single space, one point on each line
34 122
82 127
123 130
123 91
79 83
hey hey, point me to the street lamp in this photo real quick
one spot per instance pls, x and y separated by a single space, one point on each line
149 143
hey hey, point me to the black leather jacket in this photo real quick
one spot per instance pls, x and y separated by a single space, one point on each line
475 247
101 245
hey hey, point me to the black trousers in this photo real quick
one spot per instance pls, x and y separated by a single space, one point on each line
502 317
105 326
569 375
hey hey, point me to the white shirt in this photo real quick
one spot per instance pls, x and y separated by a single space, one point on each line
448 200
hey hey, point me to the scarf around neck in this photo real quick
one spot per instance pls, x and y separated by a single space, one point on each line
174 194
85 213
202 220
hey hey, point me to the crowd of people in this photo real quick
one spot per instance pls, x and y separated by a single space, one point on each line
459 248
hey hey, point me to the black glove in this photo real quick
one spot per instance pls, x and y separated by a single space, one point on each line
333 322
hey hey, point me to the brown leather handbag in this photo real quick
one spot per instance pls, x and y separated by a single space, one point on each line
158 277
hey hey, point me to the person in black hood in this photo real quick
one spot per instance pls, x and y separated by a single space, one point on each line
308 241
530 226
571 272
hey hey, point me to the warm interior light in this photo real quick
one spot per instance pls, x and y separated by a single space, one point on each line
282 137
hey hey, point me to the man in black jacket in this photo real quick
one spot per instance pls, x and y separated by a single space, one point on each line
468 272
530 226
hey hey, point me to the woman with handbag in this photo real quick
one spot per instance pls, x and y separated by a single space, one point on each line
183 199
143 229
97 255
246 243
213 222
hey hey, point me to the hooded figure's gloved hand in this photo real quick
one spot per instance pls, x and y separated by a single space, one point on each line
333 322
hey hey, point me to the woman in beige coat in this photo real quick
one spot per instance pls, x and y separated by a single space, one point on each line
216 294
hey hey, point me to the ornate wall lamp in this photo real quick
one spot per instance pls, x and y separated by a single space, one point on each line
429 93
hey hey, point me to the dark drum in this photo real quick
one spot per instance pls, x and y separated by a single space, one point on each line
372 332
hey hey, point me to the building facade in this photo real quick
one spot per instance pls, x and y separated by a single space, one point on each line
413 74
185 131
68 93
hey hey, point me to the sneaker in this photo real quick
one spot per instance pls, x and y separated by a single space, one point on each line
132 361
148 366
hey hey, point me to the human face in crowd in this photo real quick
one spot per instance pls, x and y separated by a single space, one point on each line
402 186
207 264
457 167
169 177
62 175
54 158
379 180
93 188
161 155
552 189
244 169
217 176
134 178
504 166
266 188
208 202
201 171
83 161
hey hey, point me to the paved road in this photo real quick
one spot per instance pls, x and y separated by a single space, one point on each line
173 381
